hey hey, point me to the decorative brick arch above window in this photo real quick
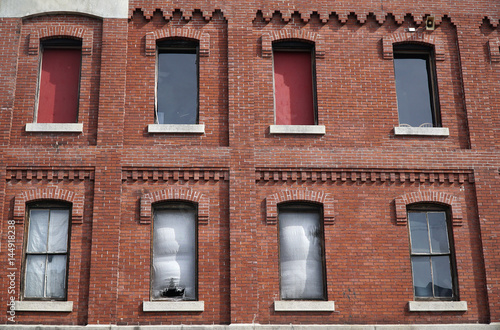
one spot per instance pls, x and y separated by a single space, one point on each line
494 47
419 38
289 34
273 200
52 193
187 33
454 202
175 194
61 31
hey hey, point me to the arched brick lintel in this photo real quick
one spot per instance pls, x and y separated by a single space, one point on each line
289 34
169 194
188 33
416 37
52 193
325 199
454 202
68 31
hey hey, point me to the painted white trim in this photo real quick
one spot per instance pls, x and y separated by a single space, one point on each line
51 127
173 306
177 128
437 306
99 8
44 306
304 306
430 131
297 129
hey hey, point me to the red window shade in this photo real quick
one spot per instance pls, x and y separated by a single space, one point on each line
59 82
293 88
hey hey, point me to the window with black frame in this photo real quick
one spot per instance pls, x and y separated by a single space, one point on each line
46 253
432 260
416 86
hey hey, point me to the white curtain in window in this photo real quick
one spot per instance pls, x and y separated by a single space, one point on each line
174 254
301 261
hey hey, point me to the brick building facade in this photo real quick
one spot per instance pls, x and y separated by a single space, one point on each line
250 205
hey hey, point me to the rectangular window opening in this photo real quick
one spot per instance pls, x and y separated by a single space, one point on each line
432 259
294 83
46 254
174 259
177 82
302 264
416 86
59 81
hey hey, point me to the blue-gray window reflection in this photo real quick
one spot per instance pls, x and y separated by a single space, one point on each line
415 86
431 257
177 83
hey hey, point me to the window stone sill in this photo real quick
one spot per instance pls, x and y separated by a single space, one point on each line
173 306
297 129
177 128
44 306
51 127
428 131
304 306
437 306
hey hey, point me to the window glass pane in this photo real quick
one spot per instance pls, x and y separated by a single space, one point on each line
35 276
174 254
59 84
56 276
58 230
442 276
38 228
419 234
413 91
293 88
438 232
422 278
177 94
301 260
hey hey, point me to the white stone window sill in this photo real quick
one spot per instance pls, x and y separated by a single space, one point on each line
428 131
52 127
173 306
297 129
437 306
304 306
44 306
177 128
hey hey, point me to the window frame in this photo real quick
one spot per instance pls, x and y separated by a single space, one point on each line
175 205
434 208
58 43
293 46
41 205
180 46
427 53
304 207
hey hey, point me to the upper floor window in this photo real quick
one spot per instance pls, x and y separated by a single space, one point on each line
302 266
294 83
46 253
59 81
174 261
433 265
177 82
416 86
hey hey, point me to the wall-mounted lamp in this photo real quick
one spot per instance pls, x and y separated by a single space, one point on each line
429 23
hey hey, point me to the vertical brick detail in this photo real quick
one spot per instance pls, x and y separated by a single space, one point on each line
494 48
454 202
51 193
71 31
188 33
325 199
285 34
422 38
170 194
